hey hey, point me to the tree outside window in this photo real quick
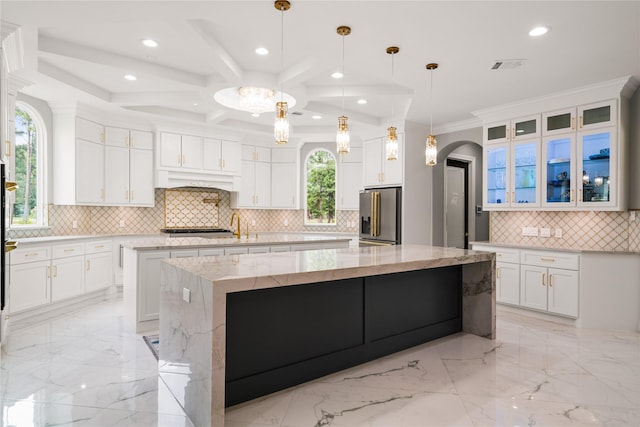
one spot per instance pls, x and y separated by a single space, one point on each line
26 173
321 188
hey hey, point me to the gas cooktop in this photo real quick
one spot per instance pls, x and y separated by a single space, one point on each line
194 230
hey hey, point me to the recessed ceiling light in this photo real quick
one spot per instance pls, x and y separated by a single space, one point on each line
150 43
362 101
195 104
262 51
538 31
130 77
255 114
316 117
337 75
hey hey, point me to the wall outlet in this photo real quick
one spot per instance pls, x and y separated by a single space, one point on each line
186 295
286 222
253 222
558 232
530 231
122 224
74 224
545 232
632 216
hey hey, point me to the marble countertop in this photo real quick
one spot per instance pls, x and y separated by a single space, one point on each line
163 242
54 239
540 248
242 272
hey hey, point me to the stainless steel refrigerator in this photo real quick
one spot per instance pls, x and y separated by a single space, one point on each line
380 216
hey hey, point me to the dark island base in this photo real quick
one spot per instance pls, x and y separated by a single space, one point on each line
281 337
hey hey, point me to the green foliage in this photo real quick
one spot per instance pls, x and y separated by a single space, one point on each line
26 173
321 188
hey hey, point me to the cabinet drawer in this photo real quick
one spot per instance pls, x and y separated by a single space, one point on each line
97 247
502 254
567 261
63 251
21 256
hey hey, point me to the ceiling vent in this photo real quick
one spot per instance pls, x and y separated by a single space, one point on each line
297 113
507 64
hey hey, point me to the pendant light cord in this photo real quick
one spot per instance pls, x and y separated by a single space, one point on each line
393 92
281 53
431 103
343 74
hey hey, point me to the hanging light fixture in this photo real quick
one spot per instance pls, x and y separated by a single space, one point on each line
281 123
342 137
431 149
392 140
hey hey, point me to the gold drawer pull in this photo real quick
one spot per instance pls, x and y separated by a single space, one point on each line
548 259
69 250
10 186
99 246
544 276
10 245
551 280
32 254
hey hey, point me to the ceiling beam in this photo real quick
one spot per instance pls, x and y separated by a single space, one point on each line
63 76
97 56
318 107
222 59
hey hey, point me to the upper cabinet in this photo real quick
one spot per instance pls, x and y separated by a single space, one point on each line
101 165
284 178
220 155
350 180
255 190
180 151
571 158
378 171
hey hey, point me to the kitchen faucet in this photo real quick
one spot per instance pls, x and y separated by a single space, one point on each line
237 232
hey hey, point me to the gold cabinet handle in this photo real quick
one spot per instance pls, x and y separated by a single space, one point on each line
126 194
132 194
498 273
102 137
220 163
544 277
127 141
571 192
513 133
11 186
223 164
7 151
580 121
10 245
48 271
513 196
55 271
548 259
551 280
573 123
88 264
69 250
580 195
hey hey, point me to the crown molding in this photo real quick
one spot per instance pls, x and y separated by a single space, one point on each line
458 126
12 47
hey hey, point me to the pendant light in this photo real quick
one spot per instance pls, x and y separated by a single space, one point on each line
391 147
431 149
342 137
281 123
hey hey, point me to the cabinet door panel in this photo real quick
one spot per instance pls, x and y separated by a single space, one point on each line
141 191
558 160
116 137
98 271
211 158
283 185
29 286
170 152
496 175
263 184
89 172
141 140
508 283
149 284
117 173
349 185
231 156
89 131
246 196
67 277
563 292
372 162
191 152
599 174
533 287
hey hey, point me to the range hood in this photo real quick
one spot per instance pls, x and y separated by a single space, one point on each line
176 179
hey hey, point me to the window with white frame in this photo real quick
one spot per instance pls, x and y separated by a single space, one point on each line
320 184
29 204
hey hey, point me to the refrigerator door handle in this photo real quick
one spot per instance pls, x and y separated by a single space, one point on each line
376 214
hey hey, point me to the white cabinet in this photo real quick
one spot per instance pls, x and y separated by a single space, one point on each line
236 251
507 273
128 167
513 130
89 167
211 252
98 262
220 155
67 277
148 284
180 151
377 169
255 191
284 178
549 281
350 180
29 285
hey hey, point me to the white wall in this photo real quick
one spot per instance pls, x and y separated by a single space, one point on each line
417 197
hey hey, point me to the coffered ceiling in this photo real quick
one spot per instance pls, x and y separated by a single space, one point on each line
80 50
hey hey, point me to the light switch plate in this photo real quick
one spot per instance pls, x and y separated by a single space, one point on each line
558 232
545 232
530 231
186 295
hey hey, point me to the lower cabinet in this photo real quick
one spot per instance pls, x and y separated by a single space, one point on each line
40 275
541 280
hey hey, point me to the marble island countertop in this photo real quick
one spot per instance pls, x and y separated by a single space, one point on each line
236 273
163 242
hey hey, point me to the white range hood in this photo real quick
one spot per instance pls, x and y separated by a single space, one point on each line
175 179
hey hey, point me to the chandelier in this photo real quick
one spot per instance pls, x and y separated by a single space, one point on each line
431 149
281 122
255 100
342 136
391 147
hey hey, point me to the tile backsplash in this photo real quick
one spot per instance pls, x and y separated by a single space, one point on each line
589 230
176 208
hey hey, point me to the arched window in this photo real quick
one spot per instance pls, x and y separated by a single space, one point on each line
320 184
29 205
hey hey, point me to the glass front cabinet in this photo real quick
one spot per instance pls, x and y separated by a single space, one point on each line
573 165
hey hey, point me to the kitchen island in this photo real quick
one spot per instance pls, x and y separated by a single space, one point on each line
235 328
141 263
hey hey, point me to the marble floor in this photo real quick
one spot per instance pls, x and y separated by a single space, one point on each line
86 367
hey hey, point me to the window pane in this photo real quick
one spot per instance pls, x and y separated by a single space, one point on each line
321 188
26 173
